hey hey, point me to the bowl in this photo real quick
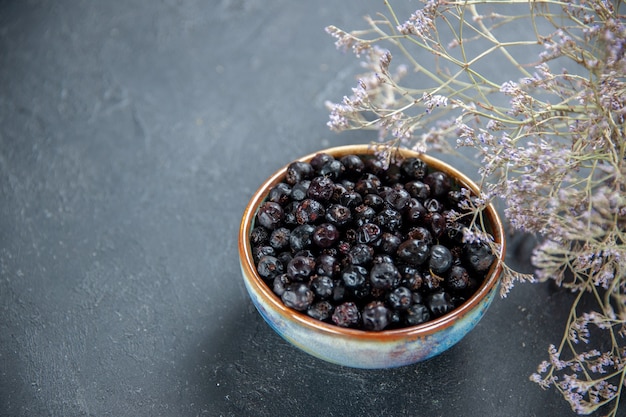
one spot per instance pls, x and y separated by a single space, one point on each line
359 348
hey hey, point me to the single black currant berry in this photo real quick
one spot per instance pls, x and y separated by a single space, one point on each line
353 164
298 171
389 219
376 316
413 251
439 303
361 254
400 298
353 276
310 211
458 278
415 211
332 169
416 314
320 159
321 189
384 276
325 235
262 250
350 199
326 264
440 259
346 315
301 237
269 266
367 184
439 183
479 256
298 296
375 201
280 193
322 286
280 283
413 168
300 190
322 310
279 239
417 189
363 214
389 243
368 233
259 235
270 215
398 198
300 268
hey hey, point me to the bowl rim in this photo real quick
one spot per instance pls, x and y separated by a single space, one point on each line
411 332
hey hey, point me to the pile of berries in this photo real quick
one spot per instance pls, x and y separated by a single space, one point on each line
350 242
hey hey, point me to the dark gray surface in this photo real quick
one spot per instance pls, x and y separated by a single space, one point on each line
132 135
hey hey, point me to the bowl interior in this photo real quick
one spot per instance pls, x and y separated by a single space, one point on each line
490 281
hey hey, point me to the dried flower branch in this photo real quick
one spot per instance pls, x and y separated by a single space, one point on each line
550 142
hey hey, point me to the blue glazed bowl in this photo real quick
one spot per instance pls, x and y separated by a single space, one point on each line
358 348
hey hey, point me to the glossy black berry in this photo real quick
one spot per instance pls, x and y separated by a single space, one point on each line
280 193
321 189
262 250
325 235
301 237
298 296
279 239
398 198
389 219
353 276
479 256
259 235
367 184
322 286
300 190
298 171
310 211
439 303
346 315
326 264
322 310
269 266
350 199
384 276
439 183
361 254
458 278
440 259
413 252
414 168
375 201
368 233
400 298
320 159
332 169
279 284
300 268
338 215
270 215
375 316
417 189
353 164
416 314
363 214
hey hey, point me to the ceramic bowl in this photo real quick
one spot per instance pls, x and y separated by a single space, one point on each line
358 348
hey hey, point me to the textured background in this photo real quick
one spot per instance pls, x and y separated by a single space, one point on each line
132 135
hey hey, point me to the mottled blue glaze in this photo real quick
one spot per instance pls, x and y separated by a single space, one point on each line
355 348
